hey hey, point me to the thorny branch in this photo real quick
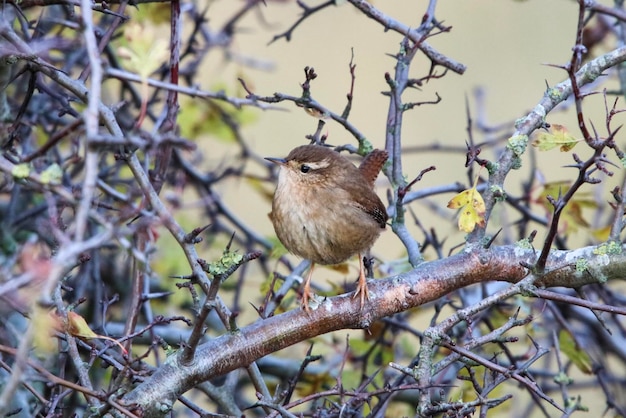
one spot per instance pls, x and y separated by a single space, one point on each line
90 195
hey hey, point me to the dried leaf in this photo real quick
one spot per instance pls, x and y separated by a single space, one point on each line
78 327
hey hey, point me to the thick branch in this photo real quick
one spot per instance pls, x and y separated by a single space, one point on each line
426 283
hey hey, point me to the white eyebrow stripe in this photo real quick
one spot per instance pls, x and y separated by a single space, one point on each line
318 164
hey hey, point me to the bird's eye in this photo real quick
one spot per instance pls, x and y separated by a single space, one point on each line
305 168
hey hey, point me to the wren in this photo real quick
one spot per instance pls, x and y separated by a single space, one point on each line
325 208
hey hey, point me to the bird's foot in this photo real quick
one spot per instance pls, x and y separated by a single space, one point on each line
361 289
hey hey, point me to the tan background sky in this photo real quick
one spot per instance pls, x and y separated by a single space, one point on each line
504 44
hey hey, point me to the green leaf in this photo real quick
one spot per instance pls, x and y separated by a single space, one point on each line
211 117
578 356
557 137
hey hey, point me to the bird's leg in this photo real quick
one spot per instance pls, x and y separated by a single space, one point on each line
362 285
306 292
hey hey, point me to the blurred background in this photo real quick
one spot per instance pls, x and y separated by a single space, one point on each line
511 50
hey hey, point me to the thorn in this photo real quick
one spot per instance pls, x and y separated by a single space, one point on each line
192 237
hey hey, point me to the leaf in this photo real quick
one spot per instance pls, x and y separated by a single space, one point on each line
469 218
554 189
577 355
557 137
261 187
316 113
52 174
472 208
153 14
21 171
77 327
602 234
201 117
572 216
342 268
144 50
269 280
278 249
43 326
312 383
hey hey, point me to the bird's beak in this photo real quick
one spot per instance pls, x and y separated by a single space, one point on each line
277 161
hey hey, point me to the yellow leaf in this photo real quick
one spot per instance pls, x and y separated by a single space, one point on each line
469 219
602 234
315 113
557 137
472 208
144 50
461 199
313 383
342 268
43 326
572 216
261 187
77 326
554 189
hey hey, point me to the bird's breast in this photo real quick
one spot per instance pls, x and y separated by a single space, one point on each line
321 223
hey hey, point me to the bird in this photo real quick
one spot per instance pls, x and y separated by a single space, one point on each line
325 209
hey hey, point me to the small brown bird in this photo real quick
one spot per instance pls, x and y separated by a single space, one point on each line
325 208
